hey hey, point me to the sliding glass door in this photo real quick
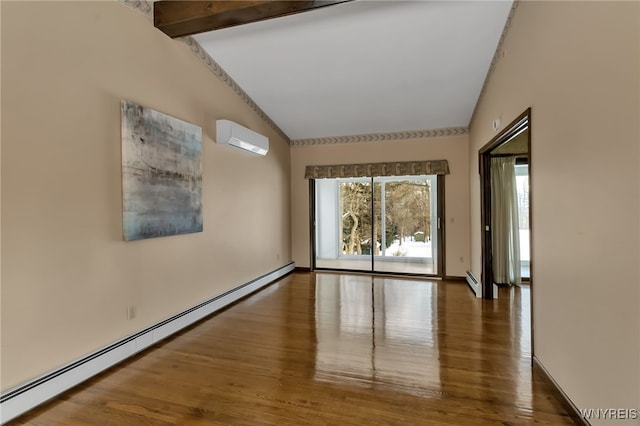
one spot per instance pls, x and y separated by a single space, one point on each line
343 224
381 224
408 223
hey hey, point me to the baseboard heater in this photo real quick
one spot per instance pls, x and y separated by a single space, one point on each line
23 398
474 284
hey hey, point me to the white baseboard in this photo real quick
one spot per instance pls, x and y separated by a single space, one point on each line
560 395
23 398
474 284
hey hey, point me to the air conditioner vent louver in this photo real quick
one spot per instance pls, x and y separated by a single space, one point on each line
237 136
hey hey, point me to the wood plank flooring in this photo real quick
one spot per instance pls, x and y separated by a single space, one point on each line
330 349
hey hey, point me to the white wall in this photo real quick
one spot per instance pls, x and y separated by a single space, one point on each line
577 65
68 276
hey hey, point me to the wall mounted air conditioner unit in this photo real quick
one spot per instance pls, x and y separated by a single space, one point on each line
237 136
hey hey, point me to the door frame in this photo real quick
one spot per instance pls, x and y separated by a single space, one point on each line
484 158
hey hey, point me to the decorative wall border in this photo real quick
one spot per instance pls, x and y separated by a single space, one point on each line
143 6
217 70
497 55
382 137
146 8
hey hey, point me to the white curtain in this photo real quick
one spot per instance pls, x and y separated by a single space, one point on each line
506 229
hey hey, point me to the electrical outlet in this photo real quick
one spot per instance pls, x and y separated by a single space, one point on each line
131 312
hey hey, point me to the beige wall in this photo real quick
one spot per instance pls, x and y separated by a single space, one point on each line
68 276
454 149
576 64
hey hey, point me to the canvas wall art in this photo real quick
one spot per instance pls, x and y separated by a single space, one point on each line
161 174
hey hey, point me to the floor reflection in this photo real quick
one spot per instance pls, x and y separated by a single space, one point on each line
520 302
318 349
377 332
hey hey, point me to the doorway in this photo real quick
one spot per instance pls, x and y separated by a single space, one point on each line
387 224
505 170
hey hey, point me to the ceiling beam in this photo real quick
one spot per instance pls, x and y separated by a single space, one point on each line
179 18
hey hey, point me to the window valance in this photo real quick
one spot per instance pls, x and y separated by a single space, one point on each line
404 168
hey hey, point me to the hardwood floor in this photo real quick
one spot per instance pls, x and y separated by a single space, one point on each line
330 349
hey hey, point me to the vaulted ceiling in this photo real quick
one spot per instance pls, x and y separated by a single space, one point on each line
364 66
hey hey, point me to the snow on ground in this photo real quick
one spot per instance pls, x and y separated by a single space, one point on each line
409 248
412 248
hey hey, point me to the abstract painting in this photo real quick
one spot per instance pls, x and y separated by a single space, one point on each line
161 174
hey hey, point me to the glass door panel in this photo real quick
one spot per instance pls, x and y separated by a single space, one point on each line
343 224
408 213
522 189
